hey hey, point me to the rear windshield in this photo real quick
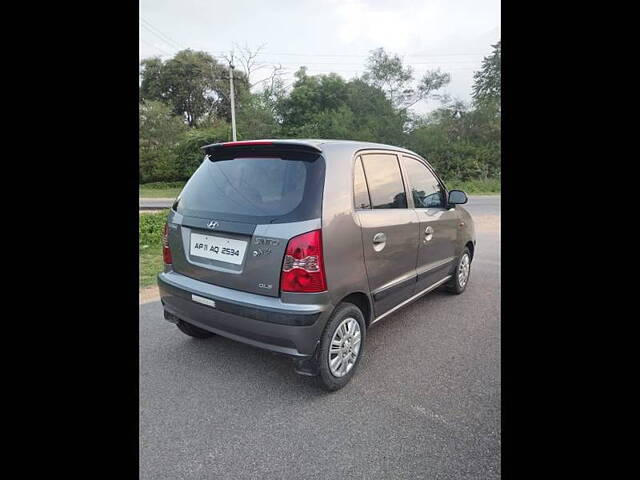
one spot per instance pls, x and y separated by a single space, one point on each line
257 189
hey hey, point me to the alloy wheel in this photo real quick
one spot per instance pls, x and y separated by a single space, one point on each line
344 347
463 270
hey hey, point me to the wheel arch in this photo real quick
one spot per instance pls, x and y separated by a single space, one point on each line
363 302
471 248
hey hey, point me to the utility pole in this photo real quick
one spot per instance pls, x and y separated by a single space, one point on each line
233 107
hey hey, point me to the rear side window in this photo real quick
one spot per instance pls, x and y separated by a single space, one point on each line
425 189
385 180
255 189
360 190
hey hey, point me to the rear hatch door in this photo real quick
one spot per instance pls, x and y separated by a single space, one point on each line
219 230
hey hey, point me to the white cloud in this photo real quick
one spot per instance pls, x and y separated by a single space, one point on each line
394 26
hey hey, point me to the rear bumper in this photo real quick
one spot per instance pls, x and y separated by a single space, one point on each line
292 329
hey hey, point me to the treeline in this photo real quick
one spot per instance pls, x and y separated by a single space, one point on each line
184 104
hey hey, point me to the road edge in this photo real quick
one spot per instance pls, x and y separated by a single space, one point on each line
148 295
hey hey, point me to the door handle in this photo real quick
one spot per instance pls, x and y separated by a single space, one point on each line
379 238
379 241
428 233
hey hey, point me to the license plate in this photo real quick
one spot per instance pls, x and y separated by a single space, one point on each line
217 248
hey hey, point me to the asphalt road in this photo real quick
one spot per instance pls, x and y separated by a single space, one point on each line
424 403
155 203
483 204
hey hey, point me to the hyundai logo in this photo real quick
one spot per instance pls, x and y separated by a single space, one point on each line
213 224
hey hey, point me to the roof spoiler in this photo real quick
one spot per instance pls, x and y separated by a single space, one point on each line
232 149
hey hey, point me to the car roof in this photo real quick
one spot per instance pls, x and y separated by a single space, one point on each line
317 142
328 146
354 145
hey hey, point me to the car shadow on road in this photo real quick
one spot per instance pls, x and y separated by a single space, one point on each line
221 363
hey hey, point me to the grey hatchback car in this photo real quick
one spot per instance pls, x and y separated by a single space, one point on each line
300 246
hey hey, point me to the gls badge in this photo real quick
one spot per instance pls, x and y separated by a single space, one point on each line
265 285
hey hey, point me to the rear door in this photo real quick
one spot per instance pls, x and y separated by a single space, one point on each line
389 229
438 225
233 218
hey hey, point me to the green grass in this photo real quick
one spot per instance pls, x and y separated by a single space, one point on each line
160 189
150 265
489 186
150 246
167 193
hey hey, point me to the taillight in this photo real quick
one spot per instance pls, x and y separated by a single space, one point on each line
303 267
166 251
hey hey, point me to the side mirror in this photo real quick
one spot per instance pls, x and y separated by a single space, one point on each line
457 197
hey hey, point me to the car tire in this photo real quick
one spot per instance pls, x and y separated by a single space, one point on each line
193 331
460 280
336 365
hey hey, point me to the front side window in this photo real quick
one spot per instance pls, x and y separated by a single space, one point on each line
425 189
385 180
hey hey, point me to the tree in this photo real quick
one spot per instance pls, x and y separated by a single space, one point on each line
159 132
460 142
192 90
189 154
310 96
430 83
256 118
387 73
327 106
159 127
248 60
193 83
375 118
487 81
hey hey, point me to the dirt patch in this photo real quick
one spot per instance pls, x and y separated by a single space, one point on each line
487 223
150 294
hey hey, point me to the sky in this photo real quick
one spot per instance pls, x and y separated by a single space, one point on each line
330 35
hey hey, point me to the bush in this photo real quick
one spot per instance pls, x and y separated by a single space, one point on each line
158 165
474 186
188 151
150 231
